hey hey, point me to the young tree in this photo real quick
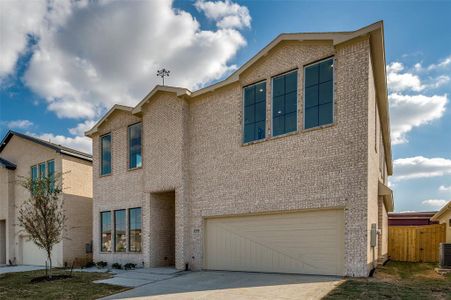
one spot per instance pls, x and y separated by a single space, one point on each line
42 215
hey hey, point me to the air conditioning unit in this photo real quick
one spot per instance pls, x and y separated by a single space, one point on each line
445 256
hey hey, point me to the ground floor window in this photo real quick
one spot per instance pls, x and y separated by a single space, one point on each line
134 235
105 226
120 238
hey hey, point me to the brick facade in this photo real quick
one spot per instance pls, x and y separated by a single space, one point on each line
192 148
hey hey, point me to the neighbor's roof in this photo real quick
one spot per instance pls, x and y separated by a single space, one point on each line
6 164
58 148
412 215
375 32
444 209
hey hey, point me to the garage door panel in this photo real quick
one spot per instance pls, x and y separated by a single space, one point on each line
289 243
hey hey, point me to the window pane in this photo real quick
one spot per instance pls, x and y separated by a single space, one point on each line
325 114
260 92
325 92
278 86
311 75
134 226
51 173
278 126
311 96
134 143
34 172
248 133
278 108
249 116
254 112
291 82
249 95
260 111
326 70
42 170
291 104
105 160
120 238
290 122
260 130
105 228
311 117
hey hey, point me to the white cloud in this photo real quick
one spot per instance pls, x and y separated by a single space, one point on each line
435 203
81 128
226 13
19 124
443 188
398 82
444 63
78 142
18 19
420 167
90 55
408 112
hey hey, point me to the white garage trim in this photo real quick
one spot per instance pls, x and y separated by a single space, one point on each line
308 242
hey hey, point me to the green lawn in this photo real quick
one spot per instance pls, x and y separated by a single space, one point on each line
397 280
80 286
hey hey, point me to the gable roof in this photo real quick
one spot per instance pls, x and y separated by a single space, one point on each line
105 117
58 148
375 32
6 164
444 209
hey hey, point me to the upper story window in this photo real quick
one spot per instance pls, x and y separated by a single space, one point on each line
284 103
42 170
105 154
134 146
34 172
254 112
318 85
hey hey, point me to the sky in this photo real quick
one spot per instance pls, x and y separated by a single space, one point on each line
63 64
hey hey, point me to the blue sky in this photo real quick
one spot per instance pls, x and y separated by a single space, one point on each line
60 70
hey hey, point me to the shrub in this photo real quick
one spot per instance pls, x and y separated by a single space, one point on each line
116 266
89 264
129 266
101 264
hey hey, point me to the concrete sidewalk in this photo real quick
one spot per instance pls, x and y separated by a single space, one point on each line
20 268
234 285
139 277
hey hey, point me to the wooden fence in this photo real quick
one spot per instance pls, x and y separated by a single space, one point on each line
415 243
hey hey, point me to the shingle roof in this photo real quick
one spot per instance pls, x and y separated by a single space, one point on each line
6 164
58 148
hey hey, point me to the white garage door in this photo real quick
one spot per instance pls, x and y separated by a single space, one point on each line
33 255
309 242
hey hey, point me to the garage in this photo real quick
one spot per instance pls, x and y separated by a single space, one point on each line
35 256
309 242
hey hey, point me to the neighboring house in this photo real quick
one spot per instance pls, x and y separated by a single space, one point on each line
23 155
281 167
411 218
443 216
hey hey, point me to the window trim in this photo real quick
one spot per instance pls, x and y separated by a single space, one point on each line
111 151
128 147
101 232
128 230
272 104
243 105
333 93
114 237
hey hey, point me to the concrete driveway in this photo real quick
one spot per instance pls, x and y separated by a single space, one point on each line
20 268
234 285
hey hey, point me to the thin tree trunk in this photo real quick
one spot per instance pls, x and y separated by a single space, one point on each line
50 268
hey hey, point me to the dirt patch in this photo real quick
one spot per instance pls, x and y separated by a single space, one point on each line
46 278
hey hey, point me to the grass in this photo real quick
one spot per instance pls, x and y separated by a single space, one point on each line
397 280
80 286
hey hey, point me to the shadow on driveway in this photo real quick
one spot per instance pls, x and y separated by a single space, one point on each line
234 285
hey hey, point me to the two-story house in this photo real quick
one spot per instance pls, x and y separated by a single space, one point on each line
26 156
281 167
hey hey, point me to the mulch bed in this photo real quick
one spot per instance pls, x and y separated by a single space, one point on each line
46 278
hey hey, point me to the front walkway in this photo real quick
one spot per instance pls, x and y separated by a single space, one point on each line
19 268
234 285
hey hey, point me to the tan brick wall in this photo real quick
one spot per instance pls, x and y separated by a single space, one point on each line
24 154
195 149
444 219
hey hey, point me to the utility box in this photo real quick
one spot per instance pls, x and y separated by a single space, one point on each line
373 235
445 256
